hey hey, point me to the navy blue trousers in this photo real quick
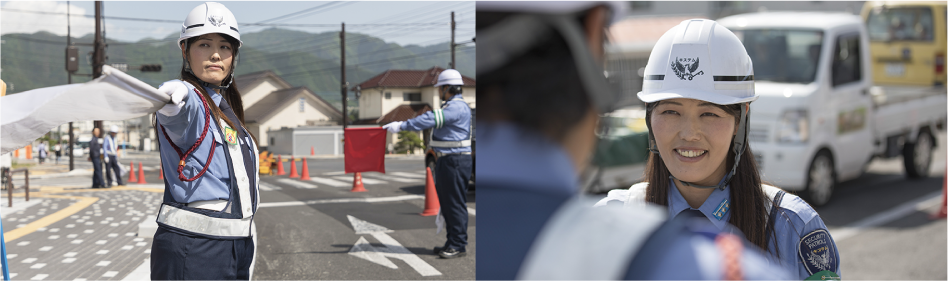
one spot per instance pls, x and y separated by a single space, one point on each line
453 172
113 167
97 180
181 257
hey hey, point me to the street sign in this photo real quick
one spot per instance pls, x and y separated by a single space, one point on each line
392 249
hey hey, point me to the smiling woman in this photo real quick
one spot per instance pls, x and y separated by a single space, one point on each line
701 163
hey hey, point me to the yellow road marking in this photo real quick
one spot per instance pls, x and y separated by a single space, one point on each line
52 218
82 203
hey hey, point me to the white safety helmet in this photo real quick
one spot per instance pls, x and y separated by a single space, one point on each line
113 129
210 17
449 77
700 59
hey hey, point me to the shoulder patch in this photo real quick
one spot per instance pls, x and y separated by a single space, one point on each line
818 252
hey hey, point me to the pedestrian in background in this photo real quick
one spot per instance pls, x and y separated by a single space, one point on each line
95 155
111 158
42 151
206 229
59 152
451 141
699 83
541 65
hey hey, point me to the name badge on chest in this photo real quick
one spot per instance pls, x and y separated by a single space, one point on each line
230 135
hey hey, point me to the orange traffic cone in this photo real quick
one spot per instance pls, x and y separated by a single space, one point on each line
293 173
943 212
357 183
280 171
305 173
141 174
431 197
29 152
161 173
16 153
312 150
131 173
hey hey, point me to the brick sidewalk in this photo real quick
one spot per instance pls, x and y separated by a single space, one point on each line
98 242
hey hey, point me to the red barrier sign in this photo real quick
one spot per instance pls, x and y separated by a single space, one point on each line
365 150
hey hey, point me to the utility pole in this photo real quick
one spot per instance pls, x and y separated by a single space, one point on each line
342 57
98 54
453 63
69 80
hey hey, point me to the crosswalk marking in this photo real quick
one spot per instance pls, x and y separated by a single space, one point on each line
364 180
265 186
409 175
297 184
335 173
330 182
389 178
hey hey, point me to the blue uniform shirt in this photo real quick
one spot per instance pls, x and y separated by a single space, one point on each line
184 129
795 220
110 147
457 124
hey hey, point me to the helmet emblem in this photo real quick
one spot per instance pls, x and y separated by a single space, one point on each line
216 20
685 68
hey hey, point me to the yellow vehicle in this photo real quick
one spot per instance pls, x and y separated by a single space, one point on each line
267 163
907 42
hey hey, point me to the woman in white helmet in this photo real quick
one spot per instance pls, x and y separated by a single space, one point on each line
206 228
699 82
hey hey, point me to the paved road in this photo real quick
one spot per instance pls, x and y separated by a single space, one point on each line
907 245
305 228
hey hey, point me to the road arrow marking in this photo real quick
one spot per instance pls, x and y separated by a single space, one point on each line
391 248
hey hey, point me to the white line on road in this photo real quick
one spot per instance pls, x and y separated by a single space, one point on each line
409 175
364 180
335 173
389 178
265 186
471 211
898 212
297 184
391 249
342 200
330 182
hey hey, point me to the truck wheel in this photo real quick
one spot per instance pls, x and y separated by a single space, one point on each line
820 179
917 156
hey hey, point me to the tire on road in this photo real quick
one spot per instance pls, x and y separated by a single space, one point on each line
820 179
917 156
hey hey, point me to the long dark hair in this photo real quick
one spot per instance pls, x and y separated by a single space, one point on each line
231 94
748 209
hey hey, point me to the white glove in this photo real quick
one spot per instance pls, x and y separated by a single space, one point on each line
106 159
178 91
393 127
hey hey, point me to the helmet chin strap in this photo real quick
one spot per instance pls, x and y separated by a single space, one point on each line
739 144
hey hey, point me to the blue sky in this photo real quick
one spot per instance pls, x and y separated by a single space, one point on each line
14 20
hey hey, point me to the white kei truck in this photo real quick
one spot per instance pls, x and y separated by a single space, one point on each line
820 119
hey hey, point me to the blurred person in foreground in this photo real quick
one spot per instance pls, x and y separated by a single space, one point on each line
541 67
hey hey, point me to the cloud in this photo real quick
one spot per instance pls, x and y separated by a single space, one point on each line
23 22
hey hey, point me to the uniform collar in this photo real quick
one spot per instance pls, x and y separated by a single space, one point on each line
214 95
677 204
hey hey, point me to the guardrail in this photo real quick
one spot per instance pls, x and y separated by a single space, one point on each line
8 183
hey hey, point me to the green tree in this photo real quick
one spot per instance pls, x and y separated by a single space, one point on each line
408 141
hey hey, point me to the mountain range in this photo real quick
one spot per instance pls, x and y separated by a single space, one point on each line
30 61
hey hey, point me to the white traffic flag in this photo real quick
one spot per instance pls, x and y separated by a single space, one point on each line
26 116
